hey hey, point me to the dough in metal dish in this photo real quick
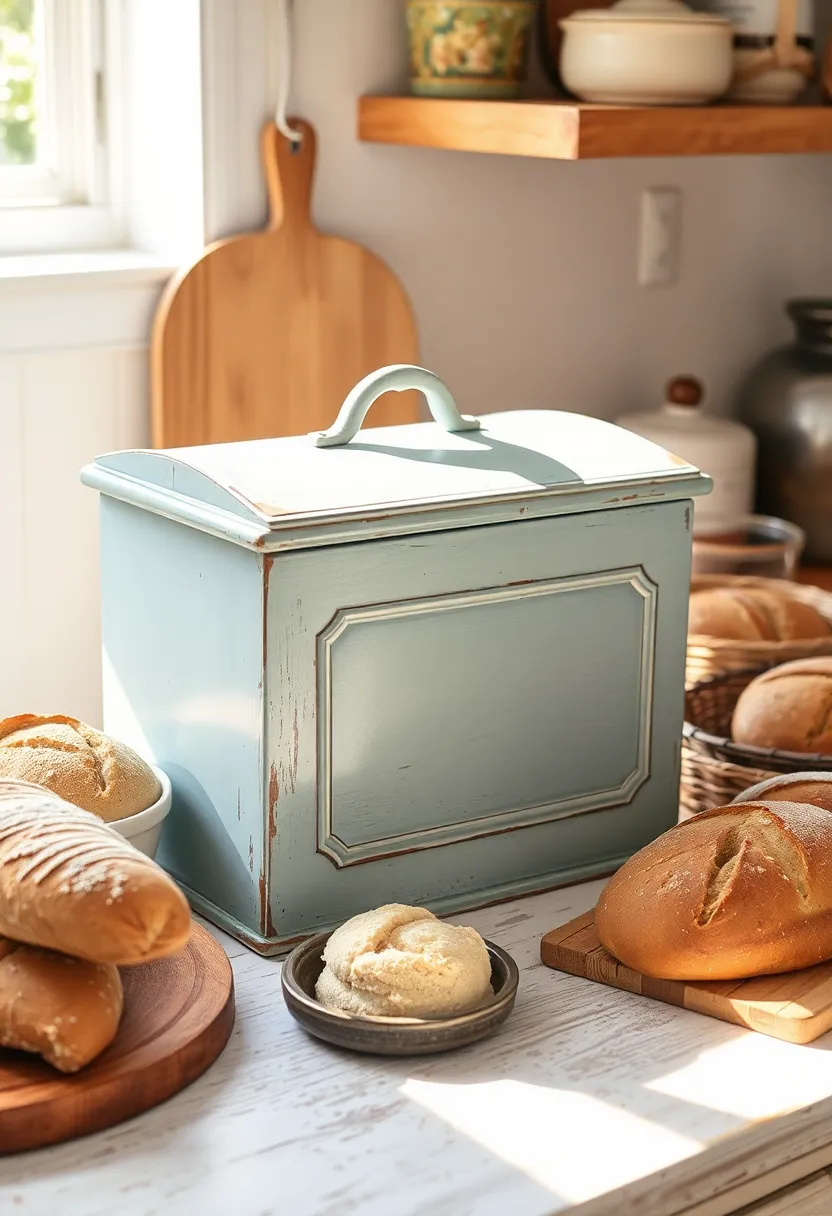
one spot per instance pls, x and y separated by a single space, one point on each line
398 961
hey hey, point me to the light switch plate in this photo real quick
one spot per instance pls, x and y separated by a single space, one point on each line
660 237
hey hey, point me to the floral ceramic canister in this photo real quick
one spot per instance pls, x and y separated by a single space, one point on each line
463 49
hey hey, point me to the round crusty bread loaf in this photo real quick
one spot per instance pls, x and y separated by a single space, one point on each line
63 1009
792 787
751 614
741 890
69 882
788 708
77 763
398 961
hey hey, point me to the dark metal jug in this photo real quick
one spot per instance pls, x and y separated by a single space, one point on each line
787 402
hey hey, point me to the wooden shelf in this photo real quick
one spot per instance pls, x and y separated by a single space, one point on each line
558 130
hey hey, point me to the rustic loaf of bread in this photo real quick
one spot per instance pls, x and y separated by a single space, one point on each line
792 787
741 890
69 882
788 708
63 1009
751 614
77 763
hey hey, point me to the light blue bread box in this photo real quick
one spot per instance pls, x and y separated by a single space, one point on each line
437 664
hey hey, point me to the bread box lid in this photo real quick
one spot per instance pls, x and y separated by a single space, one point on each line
339 485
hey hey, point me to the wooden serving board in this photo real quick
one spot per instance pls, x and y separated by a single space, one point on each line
267 333
178 1015
795 1006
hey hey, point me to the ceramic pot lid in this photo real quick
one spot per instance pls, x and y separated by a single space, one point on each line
641 11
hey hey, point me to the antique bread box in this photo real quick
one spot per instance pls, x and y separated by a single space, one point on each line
438 664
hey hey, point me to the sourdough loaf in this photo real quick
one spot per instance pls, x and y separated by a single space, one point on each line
77 763
61 1008
788 708
792 787
737 891
69 882
751 614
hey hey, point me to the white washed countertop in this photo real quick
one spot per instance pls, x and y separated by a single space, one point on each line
589 1100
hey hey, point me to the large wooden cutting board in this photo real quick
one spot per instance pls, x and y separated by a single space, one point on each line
795 1006
178 1015
267 333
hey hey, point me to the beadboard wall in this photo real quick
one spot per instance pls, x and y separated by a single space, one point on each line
523 276
58 409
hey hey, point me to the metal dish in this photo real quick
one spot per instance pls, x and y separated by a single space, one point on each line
393 1036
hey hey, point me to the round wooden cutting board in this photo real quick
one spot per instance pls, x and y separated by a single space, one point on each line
178 1016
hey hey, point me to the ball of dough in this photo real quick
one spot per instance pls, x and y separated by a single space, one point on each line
397 961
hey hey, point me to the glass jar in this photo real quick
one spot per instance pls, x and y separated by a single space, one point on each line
757 546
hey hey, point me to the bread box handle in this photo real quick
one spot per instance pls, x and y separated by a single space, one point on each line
398 379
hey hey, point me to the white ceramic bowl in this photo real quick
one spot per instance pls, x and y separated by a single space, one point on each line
144 829
638 53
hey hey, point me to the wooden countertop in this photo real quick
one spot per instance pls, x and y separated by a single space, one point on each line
818 576
589 1101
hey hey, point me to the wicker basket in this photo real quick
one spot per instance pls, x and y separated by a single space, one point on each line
714 768
708 657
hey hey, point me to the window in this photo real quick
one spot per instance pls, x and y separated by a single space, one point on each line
56 181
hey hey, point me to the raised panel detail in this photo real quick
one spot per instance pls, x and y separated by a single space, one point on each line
482 712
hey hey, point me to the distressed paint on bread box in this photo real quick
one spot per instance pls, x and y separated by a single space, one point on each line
439 664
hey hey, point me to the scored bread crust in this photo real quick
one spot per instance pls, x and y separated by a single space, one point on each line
64 1009
788 707
77 763
740 890
69 882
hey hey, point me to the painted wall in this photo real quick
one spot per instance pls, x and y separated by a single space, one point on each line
523 278
523 272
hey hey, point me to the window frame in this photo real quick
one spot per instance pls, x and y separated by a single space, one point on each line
72 202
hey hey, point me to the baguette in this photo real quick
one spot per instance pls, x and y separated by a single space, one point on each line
741 890
61 1008
69 882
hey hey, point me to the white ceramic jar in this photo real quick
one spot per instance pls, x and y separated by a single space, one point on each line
723 449
646 52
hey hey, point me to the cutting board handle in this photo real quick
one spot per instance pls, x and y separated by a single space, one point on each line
289 169
398 378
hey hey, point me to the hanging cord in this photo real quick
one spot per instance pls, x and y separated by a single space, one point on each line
284 73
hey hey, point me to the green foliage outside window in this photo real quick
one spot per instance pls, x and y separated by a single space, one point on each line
18 68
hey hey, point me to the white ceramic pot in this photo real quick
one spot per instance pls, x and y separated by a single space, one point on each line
144 829
646 52
721 447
